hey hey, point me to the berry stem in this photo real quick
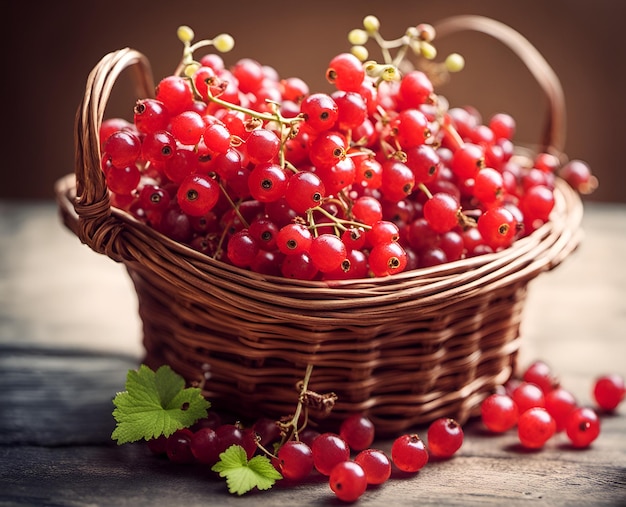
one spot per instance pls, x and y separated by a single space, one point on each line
424 189
290 428
452 136
338 223
266 117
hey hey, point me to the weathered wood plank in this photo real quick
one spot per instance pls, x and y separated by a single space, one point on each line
56 450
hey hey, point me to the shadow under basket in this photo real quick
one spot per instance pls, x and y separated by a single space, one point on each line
403 350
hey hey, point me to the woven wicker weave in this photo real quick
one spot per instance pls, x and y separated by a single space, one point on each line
403 349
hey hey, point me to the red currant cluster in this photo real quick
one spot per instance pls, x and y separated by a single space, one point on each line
345 459
541 407
373 178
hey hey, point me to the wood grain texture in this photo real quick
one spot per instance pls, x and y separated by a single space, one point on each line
69 332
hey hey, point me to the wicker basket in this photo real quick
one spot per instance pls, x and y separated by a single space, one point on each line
403 349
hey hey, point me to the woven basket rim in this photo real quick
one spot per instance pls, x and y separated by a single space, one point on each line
541 250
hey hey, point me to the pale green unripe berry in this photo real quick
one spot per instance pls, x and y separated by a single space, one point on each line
185 34
224 43
428 50
371 24
390 73
360 52
384 72
412 32
191 69
357 37
455 62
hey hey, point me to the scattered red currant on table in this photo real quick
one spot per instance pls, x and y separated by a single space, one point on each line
609 391
541 407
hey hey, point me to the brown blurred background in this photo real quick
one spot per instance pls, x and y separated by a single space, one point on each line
51 48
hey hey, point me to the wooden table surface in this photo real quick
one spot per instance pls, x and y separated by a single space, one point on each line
69 331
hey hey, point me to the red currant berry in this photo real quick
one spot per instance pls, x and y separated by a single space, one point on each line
123 180
451 243
154 199
368 172
294 89
346 72
467 161
182 164
387 259
408 453
537 203
424 161
320 111
197 194
294 239
150 116
358 432
242 248
445 437
329 449
338 176
502 125
122 148
305 190
264 232
295 460
348 481
267 182
328 149
582 427
376 465
178 447
415 89
498 227
351 110
499 412
397 180
609 391
367 210
540 374
298 266
441 212
527 395
175 94
489 186
559 403
158 445
382 231
578 174
158 146
187 127
175 224
227 165
249 74
535 427
328 252
217 138
262 145
411 128
204 446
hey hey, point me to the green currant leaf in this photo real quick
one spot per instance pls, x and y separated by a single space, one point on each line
155 404
242 474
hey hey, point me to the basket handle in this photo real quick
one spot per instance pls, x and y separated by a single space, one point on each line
553 140
96 226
